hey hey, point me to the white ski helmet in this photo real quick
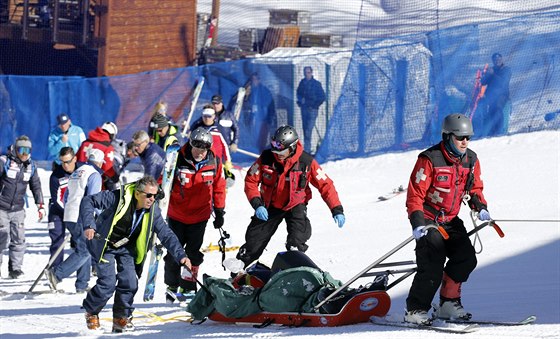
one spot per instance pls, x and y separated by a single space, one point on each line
110 128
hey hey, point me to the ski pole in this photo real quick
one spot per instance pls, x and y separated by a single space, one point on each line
375 263
242 151
49 264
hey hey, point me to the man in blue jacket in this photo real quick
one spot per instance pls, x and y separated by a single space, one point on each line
118 241
64 135
310 96
151 155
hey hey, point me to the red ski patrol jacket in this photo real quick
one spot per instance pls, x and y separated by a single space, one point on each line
438 184
99 139
196 188
284 185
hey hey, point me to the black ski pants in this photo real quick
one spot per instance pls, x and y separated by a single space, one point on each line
431 253
259 232
191 237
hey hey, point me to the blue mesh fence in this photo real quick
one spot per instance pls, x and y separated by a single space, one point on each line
385 94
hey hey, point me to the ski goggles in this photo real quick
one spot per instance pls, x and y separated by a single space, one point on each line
24 150
284 152
200 144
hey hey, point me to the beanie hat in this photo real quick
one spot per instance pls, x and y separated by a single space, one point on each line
23 141
160 121
96 155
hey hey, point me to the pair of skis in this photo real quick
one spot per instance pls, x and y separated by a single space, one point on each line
396 191
171 155
451 326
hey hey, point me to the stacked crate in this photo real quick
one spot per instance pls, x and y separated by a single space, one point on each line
320 40
251 39
280 36
290 17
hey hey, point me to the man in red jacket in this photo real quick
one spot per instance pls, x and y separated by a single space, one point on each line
199 187
445 175
101 139
277 186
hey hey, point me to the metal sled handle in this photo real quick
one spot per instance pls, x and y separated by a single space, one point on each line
376 263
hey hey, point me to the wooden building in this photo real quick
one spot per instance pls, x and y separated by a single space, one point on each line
96 38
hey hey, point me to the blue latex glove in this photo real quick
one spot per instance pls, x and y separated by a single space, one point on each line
484 215
340 219
261 213
419 232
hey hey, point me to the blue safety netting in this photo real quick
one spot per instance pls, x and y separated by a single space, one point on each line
384 95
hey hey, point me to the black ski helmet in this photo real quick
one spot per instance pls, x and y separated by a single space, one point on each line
201 138
458 125
284 137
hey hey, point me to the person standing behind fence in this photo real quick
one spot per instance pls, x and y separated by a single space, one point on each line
63 135
261 114
58 184
497 105
85 180
310 95
17 172
225 120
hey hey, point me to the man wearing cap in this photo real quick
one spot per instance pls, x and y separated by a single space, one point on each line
85 180
17 171
225 120
64 134
165 134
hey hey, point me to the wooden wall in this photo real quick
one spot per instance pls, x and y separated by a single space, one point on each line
145 35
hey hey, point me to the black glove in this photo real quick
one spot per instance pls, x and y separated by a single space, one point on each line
219 217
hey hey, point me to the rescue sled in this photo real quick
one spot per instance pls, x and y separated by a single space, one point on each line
357 310
343 305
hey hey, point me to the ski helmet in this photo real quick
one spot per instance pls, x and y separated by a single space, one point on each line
201 138
110 128
284 137
458 125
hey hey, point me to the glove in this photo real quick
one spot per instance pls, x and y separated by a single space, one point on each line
218 217
419 232
41 211
228 166
484 215
233 148
340 219
261 213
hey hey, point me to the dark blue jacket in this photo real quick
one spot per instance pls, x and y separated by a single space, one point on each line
153 159
310 94
111 203
15 176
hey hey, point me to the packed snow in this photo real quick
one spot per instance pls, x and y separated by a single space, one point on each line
517 275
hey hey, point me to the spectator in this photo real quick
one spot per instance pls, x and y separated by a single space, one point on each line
119 153
117 243
17 172
260 115
58 184
65 134
198 189
101 139
84 181
310 96
496 102
161 109
151 155
165 133
226 123
277 187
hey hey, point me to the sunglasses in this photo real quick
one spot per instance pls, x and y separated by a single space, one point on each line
463 137
138 145
24 150
67 161
200 144
148 195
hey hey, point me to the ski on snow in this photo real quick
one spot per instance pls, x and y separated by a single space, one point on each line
529 320
439 326
397 191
